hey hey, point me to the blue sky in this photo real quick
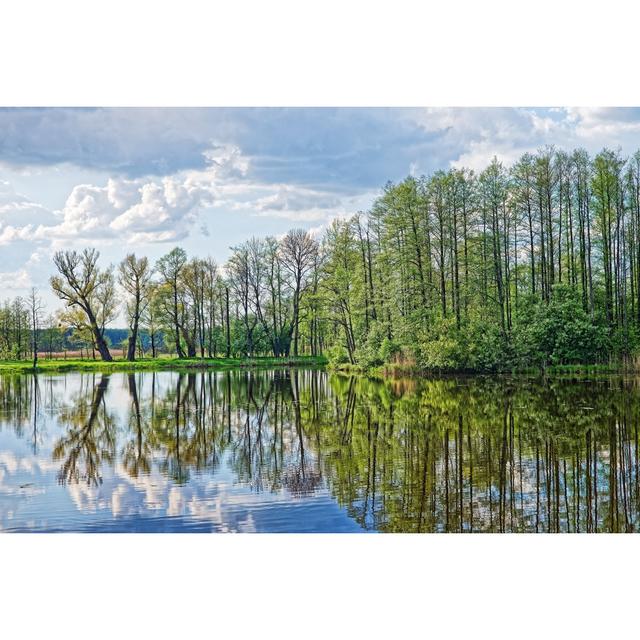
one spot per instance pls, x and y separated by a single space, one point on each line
146 179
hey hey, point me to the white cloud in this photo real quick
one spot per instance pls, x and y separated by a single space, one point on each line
11 280
295 203
226 161
144 210
474 135
10 234
604 125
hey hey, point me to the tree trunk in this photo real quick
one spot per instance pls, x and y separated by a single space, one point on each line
131 346
100 342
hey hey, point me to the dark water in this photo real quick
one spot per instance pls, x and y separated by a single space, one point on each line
308 451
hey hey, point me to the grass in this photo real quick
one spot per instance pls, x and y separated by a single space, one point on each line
156 364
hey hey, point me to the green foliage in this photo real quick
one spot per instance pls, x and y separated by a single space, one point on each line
389 350
371 353
559 332
442 347
488 348
337 355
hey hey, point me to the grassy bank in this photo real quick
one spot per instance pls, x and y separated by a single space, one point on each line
157 364
383 371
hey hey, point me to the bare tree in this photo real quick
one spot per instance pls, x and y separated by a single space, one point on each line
36 307
84 285
298 250
134 277
238 275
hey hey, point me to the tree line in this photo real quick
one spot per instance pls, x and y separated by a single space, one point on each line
257 304
528 265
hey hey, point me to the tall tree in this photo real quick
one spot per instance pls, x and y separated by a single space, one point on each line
170 269
298 251
134 277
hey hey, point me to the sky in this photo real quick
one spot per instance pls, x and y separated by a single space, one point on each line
144 180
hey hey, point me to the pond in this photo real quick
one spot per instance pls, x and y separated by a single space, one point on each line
309 451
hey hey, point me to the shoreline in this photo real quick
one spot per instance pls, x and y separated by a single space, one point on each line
398 371
267 362
157 364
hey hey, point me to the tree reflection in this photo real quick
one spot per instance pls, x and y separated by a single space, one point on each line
481 455
138 450
456 454
90 437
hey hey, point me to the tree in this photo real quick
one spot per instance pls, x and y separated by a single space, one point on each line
298 251
151 316
170 269
134 277
36 307
84 285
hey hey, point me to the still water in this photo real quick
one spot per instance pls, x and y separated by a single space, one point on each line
303 450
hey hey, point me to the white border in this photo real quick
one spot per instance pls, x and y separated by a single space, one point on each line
335 52
324 53
318 586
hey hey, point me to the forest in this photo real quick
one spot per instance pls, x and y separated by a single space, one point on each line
512 267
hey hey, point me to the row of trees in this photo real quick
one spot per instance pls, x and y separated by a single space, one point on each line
532 264
257 304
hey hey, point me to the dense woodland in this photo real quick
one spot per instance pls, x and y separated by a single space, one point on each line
522 266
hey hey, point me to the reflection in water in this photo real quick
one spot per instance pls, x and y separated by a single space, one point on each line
90 438
303 450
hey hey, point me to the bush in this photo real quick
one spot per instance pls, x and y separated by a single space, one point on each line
389 350
368 354
488 348
558 332
337 354
441 347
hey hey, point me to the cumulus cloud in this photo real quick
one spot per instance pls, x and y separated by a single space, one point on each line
143 210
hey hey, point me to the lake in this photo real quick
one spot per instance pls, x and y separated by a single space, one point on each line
309 451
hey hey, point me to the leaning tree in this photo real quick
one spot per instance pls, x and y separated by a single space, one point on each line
84 285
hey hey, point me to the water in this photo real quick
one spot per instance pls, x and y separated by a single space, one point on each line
303 450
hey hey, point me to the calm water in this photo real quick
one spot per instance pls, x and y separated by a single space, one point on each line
309 451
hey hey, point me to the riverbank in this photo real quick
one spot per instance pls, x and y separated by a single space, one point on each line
383 371
155 364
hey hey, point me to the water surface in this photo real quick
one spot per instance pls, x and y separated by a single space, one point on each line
304 450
